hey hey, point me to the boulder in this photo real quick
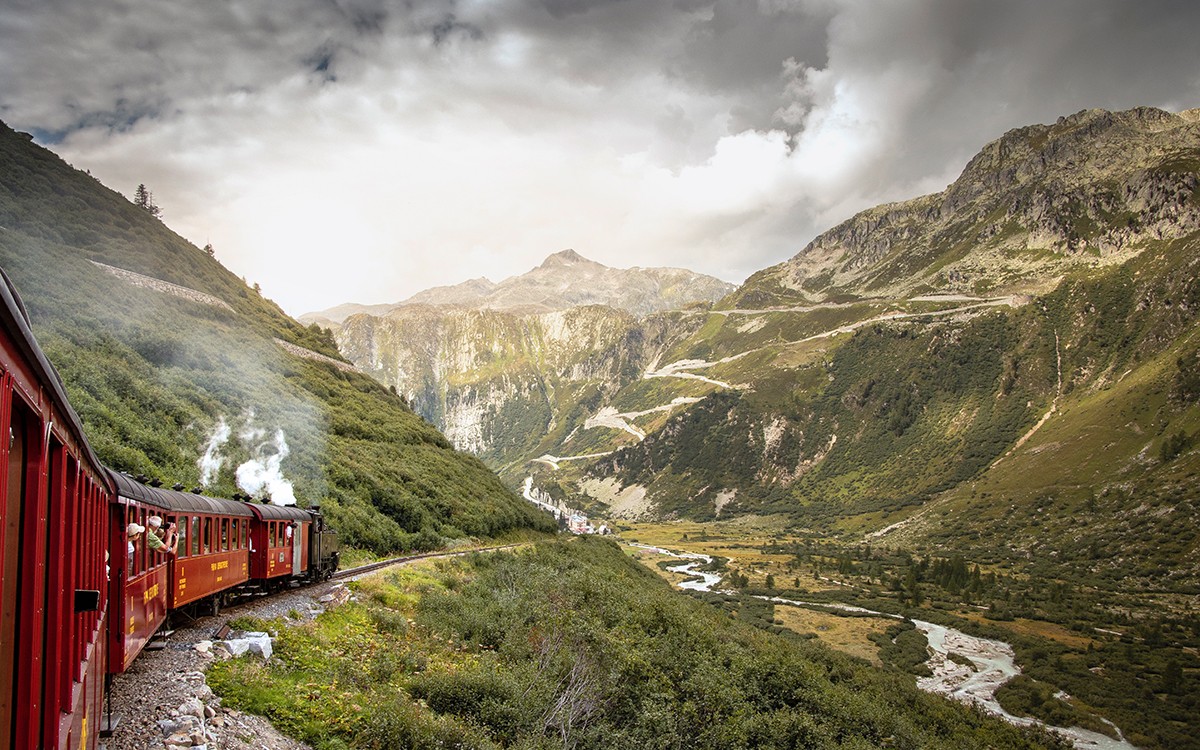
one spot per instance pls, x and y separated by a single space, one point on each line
261 646
192 707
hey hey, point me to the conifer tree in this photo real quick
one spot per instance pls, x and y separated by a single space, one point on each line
144 199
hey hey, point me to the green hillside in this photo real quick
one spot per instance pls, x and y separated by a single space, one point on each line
152 373
574 645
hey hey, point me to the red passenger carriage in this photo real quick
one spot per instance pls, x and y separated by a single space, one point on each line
212 556
53 537
280 540
77 601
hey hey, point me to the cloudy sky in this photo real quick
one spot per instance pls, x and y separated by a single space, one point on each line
363 150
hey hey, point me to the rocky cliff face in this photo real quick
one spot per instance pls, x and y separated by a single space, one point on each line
498 383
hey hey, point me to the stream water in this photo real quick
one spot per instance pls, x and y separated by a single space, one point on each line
992 661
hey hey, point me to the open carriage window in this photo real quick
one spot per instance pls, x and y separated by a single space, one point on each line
182 525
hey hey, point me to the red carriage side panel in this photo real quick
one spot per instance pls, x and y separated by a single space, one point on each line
215 559
143 581
279 537
52 652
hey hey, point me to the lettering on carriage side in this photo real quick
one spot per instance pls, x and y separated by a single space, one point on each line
220 566
83 732
150 593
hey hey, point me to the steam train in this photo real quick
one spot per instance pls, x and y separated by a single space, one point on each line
79 598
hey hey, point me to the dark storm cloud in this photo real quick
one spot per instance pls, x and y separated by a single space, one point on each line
995 66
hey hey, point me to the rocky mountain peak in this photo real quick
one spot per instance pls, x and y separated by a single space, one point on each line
564 280
1094 186
565 258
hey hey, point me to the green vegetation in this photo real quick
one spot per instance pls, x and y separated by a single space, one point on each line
574 645
1024 696
904 647
1127 656
152 373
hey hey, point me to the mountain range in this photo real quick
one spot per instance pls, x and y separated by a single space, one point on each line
926 372
564 280
1005 374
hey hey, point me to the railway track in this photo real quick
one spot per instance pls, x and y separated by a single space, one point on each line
249 599
380 564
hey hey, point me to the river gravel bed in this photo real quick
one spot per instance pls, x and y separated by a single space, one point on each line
992 661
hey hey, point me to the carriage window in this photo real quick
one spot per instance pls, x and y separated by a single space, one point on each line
131 546
207 538
182 526
143 549
154 557
245 530
274 534
196 535
225 534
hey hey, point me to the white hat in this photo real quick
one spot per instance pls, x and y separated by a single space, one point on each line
154 521
134 528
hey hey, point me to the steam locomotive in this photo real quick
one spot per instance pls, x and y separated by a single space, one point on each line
79 597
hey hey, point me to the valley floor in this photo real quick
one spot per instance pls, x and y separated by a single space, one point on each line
757 558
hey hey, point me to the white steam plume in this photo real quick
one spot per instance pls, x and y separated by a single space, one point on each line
210 463
263 471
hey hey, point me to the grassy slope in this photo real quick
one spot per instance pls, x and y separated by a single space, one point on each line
574 645
150 374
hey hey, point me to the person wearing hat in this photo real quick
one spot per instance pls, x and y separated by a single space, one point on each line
156 542
132 532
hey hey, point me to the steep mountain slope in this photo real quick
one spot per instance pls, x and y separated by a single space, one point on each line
916 394
564 280
181 371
